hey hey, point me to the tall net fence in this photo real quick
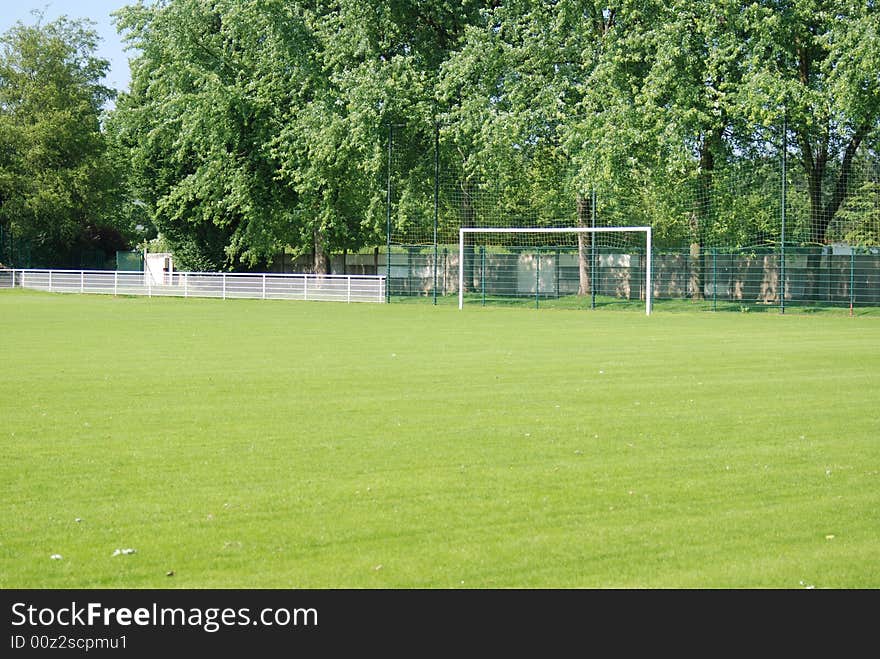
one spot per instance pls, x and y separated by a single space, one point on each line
764 277
13 250
128 261
751 227
20 252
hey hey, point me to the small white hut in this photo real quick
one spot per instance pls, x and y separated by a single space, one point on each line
158 269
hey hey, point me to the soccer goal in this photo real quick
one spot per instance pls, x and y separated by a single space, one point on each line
600 264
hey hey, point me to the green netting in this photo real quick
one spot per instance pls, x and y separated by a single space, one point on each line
129 261
817 239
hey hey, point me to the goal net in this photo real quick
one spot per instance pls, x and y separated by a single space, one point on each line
566 266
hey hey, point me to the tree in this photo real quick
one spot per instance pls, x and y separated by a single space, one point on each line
380 63
814 63
260 125
513 91
256 125
211 84
659 120
57 188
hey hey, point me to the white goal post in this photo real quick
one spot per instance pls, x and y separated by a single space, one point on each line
572 230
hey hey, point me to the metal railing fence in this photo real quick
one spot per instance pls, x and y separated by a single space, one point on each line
265 286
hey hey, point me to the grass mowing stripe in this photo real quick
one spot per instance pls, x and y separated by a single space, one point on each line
277 444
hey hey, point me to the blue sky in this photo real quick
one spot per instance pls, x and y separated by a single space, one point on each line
98 11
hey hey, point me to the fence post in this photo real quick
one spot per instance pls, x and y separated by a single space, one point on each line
714 279
115 283
594 264
82 281
828 271
348 278
557 255
436 199
388 215
264 285
782 276
185 284
50 281
483 273
782 205
852 279
223 276
537 276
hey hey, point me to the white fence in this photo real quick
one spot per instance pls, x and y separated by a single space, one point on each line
265 286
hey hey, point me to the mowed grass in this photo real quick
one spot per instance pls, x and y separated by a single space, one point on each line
263 444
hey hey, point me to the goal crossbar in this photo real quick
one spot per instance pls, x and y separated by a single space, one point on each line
466 230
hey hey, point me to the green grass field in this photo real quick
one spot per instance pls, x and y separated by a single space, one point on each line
255 444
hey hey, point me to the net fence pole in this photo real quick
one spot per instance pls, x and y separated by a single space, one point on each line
556 274
537 275
436 201
782 204
593 263
714 279
388 216
852 279
483 273
460 268
648 292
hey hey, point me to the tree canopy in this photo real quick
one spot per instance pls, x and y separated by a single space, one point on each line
256 126
58 186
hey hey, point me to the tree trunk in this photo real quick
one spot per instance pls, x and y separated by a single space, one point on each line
695 280
815 163
585 242
321 262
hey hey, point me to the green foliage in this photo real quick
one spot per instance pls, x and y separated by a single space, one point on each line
858 222
259 125
58 186
204 107
813 63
